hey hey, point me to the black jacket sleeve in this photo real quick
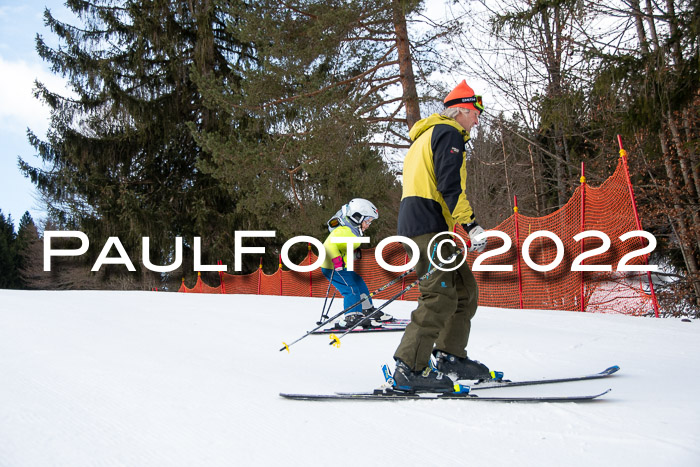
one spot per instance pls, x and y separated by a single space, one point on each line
448 145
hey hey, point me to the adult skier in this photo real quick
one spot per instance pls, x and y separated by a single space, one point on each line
432 203
352 220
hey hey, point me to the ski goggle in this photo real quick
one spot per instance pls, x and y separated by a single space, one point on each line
359 218
334 222
476 100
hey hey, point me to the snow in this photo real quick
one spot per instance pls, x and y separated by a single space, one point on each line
155 379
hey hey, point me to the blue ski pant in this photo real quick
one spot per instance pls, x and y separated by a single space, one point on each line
351 286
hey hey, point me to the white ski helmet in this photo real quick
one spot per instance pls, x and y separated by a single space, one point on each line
358 210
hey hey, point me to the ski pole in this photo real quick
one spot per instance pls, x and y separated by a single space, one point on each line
335 340
325 315
372 294
323 310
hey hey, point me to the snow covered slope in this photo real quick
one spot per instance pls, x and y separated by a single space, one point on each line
165 379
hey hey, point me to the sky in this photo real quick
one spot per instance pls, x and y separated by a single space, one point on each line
20 66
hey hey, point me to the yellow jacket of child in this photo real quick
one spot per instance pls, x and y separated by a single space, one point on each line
338 249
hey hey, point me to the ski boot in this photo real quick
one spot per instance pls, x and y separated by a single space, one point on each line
459 368
420 381
351 319
378 318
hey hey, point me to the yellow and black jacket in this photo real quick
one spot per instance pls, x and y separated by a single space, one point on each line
434 178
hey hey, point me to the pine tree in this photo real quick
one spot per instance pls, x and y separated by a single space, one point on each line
30 252
9 276
318 99
27 236
199 118
121 156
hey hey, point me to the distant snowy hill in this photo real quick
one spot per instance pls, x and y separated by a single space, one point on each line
167 379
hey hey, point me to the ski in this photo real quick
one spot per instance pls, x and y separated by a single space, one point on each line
389 326
492 384
361 330
397 322
462 392
392 395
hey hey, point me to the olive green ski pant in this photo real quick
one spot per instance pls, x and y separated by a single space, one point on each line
446 306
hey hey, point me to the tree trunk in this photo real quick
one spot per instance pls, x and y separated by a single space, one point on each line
641 34
561 185
687 250
686 171
692 155
534 181
674 39
552 54
649 16
408 80
505 169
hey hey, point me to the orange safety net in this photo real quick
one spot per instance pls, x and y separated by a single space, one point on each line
608 209
199 287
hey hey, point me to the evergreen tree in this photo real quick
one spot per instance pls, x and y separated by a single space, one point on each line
9 276
30 253
199 118
120 154
316 101
27 237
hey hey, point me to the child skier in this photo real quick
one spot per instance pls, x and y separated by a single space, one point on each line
350 221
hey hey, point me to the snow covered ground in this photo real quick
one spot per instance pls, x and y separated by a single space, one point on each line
166 379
